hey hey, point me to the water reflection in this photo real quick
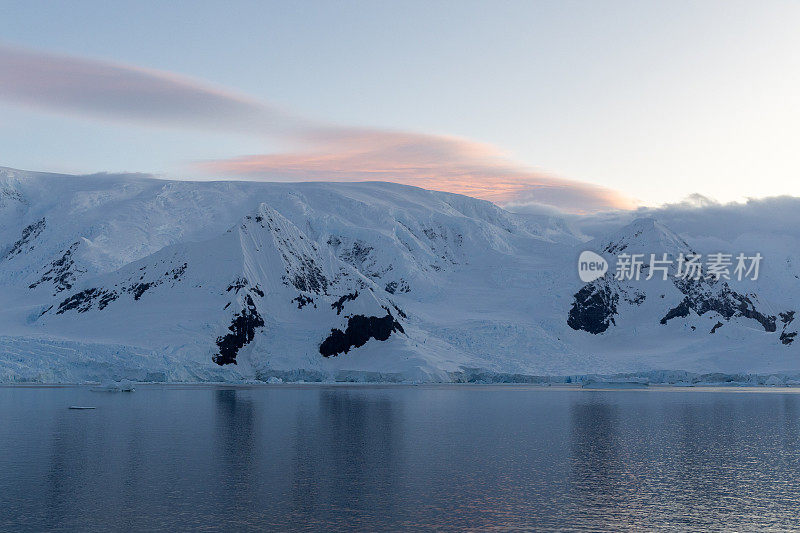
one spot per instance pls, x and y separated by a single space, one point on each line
234 452
390 458
595 447
346 455
597 471
65 457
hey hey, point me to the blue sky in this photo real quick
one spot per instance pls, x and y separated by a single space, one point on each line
655 100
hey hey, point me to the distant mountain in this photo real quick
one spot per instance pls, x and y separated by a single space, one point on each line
680 299
111 276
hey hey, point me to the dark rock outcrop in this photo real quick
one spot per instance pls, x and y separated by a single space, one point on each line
238 283
302 300
61 271
242 331
29 234
304 274
593 308
83 301
339 304
787 337
359 330
703 296
395 286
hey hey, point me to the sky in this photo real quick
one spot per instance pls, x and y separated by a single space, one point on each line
581 106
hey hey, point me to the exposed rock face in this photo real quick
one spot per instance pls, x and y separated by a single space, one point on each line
357 254
339 304
596 304
268 249
25 242
703 296
83 301
298 253
681 310
9 195
594 308
359 330
61 272
242 331
303 300
102 296
237 285
272 270
787 337
397 286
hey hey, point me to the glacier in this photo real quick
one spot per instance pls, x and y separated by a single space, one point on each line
109 277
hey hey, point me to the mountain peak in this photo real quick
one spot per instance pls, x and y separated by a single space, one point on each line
644 235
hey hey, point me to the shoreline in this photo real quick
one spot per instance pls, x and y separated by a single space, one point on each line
564 387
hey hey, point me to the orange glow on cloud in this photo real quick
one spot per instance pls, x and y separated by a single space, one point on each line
132 94
429 161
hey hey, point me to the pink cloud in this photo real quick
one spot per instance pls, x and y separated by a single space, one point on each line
327 152
429 161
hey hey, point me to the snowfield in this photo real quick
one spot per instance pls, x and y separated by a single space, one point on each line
128 277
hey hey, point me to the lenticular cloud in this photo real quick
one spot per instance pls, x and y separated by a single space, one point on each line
321 152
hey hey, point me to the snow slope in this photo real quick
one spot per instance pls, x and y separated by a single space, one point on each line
112 276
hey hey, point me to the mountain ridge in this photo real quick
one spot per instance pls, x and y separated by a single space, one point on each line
237 281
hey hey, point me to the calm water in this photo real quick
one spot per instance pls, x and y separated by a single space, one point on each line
396 457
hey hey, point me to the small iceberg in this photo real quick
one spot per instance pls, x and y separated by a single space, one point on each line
115 386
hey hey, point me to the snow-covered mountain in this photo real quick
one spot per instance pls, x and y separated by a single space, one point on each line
111 276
